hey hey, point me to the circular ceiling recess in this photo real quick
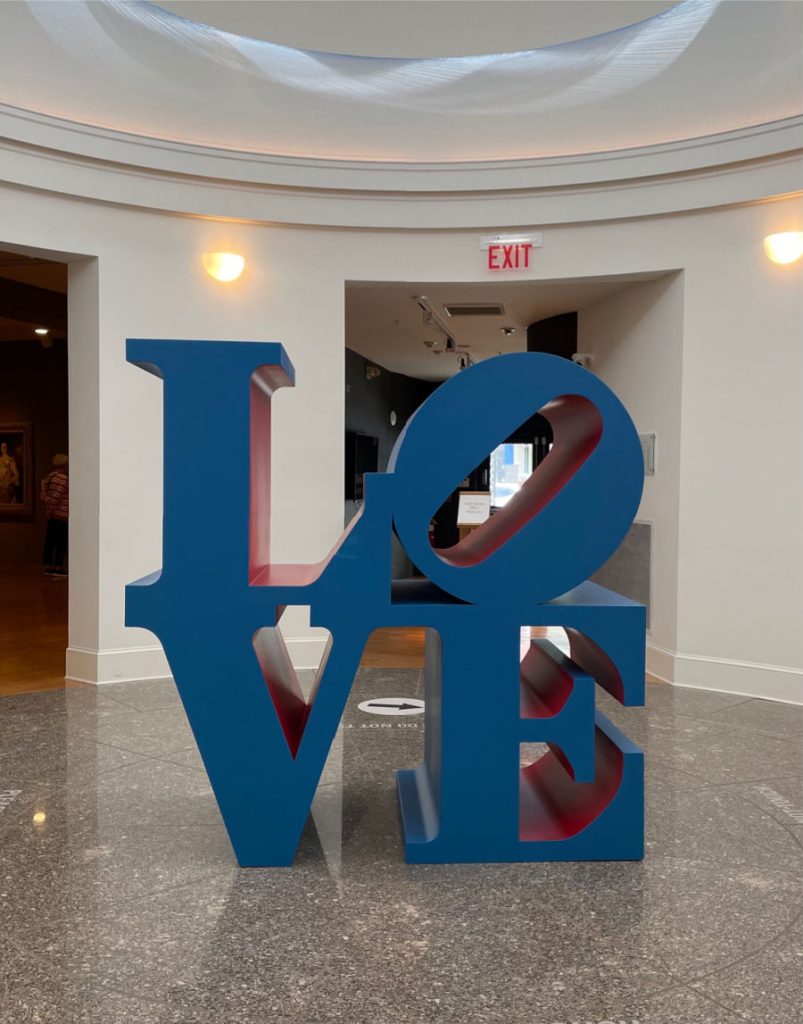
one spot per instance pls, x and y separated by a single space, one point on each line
401 28
695 69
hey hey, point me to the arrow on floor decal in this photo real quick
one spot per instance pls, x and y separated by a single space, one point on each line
393 706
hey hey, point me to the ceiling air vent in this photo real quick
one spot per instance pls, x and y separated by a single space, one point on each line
474 309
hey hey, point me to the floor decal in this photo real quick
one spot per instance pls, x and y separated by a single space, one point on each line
781 803
7 796
392 706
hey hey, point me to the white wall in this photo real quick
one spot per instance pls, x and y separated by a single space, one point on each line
84 405
736 518
636 339
740 545
741 502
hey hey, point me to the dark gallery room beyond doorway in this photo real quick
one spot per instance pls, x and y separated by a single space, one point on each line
34 470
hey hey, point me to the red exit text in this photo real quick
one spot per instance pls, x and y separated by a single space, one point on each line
509 256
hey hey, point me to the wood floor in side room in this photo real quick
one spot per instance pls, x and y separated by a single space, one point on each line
33 634
33 630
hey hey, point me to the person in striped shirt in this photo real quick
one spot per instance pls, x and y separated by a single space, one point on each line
55 495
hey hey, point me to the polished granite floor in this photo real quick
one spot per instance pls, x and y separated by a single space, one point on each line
120 900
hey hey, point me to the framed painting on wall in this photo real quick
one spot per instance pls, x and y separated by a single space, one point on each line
16 469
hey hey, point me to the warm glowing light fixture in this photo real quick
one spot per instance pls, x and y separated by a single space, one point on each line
784 247
39 818
41 331
224 266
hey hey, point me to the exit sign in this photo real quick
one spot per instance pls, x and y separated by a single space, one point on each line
510 252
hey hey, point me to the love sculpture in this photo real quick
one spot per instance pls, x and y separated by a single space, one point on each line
216 603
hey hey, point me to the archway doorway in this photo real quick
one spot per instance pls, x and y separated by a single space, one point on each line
34 472
404 338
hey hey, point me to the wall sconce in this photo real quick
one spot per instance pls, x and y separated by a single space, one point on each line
224 266
784 247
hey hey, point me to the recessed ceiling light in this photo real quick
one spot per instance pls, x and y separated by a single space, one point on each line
507 331
42 331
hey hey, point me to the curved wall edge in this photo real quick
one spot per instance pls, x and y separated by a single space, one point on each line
732 185
164 156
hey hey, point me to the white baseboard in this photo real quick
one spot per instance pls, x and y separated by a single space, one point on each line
742 678
660 663
116 665
725 675
128 664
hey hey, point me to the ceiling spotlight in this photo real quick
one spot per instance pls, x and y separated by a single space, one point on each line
507 331
372 372
41 331
431 318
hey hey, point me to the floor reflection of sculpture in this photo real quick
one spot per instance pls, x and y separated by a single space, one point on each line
264 742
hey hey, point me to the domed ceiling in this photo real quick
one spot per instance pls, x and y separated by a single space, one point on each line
699 68
399 28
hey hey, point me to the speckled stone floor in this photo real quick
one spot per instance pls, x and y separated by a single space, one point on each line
125 903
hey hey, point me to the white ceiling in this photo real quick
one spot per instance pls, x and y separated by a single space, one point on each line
43 274
429 28
385 324
702 67
39 272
